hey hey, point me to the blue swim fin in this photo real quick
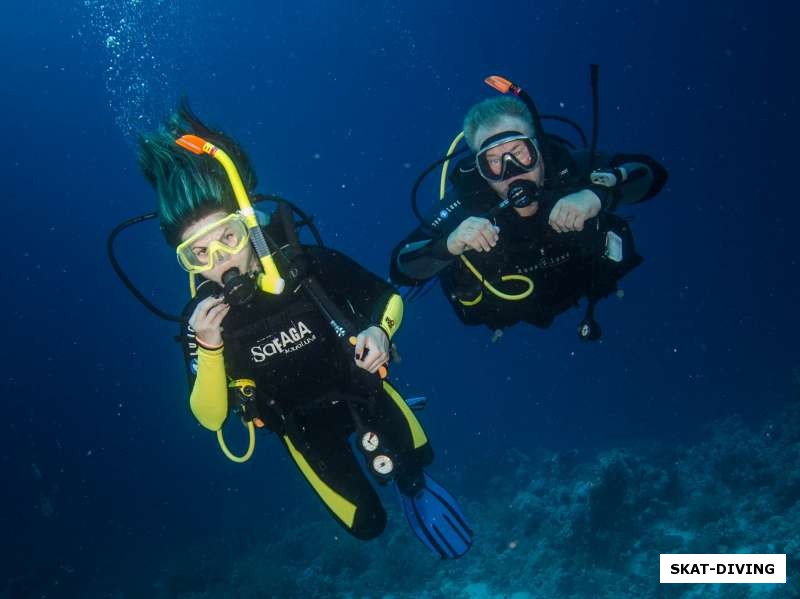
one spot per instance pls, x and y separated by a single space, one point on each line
417 403
437 520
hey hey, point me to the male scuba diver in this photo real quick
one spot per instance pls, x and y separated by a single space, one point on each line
294 338
528 228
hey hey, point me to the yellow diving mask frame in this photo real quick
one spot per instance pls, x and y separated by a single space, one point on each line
270 280
213 244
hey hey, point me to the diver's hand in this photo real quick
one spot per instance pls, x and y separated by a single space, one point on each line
372 349
572 211
474 233
206 320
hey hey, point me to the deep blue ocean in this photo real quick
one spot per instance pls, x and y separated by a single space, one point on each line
577 464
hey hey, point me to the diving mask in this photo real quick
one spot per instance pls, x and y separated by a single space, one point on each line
506 155
213 244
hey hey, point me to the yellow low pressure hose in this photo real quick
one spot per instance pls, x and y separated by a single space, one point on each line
511 297
446 165
515 297
251 430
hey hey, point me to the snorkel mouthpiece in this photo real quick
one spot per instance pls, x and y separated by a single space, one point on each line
523 193
270 281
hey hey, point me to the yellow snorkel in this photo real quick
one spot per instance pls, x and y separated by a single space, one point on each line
270 280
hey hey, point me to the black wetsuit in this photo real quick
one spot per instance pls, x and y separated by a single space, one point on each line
306 382
564 267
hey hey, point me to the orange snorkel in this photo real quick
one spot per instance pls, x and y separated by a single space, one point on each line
501 84
270 280
505 86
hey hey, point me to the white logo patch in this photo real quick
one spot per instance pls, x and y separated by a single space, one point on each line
285 342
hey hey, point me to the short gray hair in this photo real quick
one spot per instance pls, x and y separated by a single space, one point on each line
490 112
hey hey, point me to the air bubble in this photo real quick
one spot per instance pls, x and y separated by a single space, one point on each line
138 39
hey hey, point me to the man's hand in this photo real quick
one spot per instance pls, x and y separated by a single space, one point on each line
372 349
572 211
474 233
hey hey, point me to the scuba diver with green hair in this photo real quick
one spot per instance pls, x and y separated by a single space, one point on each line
528 227
293 338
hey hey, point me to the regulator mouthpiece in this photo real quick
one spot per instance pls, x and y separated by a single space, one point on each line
523 193
239 288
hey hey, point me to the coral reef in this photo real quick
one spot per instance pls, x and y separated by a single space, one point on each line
555 525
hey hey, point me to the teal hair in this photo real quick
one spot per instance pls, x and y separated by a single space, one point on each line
189 186
490 112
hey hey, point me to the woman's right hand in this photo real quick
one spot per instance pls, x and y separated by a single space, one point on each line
206 320
475 233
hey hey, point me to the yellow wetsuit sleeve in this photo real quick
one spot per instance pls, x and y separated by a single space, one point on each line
209 398
392 315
